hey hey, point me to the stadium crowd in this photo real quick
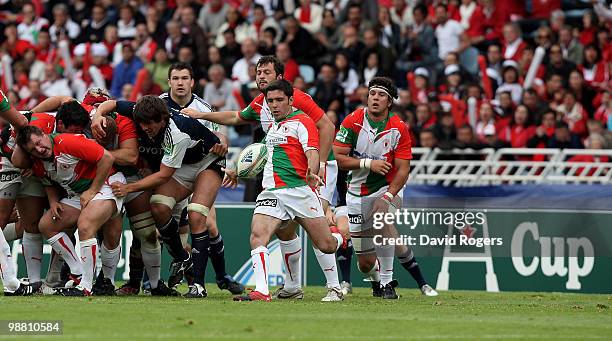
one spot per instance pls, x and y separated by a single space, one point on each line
462 66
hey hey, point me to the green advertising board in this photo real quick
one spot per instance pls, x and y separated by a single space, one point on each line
533 250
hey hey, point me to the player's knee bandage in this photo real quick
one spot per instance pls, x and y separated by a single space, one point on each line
163 200
203 210
143 227
363 244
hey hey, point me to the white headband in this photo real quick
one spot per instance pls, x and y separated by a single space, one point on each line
381 88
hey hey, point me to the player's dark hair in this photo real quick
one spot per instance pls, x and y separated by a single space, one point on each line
72 113
385 83
180 66
279 67
280 84
150 109
24 134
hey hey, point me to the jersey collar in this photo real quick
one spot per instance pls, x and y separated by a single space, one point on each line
173 105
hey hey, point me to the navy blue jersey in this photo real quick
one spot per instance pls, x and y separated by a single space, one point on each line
183 141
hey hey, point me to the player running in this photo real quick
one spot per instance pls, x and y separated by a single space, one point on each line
374 145
188 167
269 69
289 186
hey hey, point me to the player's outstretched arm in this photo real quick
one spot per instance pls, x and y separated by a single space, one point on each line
51 104
149 182
228 118
10 114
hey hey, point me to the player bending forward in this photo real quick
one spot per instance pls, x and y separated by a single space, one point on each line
379 143
289 186
83 169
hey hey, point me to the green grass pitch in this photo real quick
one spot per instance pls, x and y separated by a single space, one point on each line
454 315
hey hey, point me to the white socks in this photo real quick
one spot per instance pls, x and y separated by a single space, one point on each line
386 256
89 253
110 259
7 268
32 247
292 258
373 274
151 258
261 262
62 245
327 262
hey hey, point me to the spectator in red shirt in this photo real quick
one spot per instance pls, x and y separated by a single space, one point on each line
13 45
292 69
44 51
588 30
520 129
419 89
513 42
572 112
424 119
594 70
604 112
486 123
542 9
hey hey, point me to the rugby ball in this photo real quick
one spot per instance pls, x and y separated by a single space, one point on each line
251 160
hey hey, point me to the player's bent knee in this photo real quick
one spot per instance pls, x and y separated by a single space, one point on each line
164 200
328 246
143 227
161 213
198 208
365 264
86 231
